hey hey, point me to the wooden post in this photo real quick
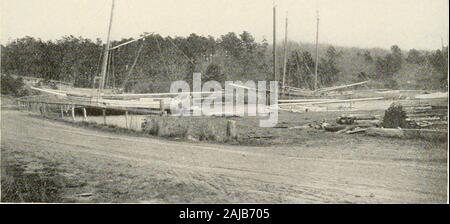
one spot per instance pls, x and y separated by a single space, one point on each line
84 114
231 129
73 112
62 111
126 119
274 60
161 107
104 116
317 53
106 50
285 57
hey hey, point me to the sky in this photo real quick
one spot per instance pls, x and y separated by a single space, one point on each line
419 24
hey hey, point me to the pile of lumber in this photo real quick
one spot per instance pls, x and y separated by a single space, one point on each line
424 114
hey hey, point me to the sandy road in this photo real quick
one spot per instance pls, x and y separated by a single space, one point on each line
121 168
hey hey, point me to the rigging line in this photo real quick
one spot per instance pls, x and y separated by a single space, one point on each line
113 77
188 58
298 66
94 16
108 66
109 74
161 54
132 66
97 68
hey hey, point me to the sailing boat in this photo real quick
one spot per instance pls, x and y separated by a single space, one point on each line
294 91
98 97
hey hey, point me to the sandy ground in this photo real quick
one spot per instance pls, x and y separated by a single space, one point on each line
120 168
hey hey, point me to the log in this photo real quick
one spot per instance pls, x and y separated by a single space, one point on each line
413 108
300 127
362 117
345 120
349 128
418 111
413 116
356 130
353 118
386 132
424 119
334 128
368 122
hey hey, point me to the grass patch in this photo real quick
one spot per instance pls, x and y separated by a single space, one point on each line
20 186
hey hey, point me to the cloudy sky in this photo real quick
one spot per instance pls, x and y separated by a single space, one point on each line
410 24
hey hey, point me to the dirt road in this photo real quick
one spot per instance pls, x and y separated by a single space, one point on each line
120 168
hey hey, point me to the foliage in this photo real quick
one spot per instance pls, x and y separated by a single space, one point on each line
394 117
162 60
12 86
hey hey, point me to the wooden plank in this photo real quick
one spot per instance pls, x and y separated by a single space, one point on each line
341 87
334 101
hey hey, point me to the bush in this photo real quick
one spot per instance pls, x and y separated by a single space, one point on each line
12 86
395 117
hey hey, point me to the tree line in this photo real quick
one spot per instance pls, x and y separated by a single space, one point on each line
161 60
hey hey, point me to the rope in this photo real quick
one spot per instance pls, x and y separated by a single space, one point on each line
132 66
188 58
161 55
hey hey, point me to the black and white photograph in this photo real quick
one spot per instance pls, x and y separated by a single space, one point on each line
224 102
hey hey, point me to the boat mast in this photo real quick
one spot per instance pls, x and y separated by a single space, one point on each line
285 54
106 51
317 53
275 78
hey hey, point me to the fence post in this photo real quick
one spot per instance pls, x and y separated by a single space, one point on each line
104 116
85 114
126 119
62 111
162 107
231 129
73 112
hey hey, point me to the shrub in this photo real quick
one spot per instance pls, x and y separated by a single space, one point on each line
394 117
12 86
